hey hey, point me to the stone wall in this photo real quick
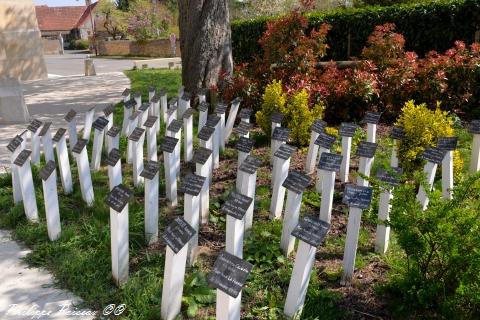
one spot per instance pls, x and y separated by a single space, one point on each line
21 55
50 46
153 48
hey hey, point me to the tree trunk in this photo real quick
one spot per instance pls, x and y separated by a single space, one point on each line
205 42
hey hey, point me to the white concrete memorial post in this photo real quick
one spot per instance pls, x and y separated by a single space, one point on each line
113 138
155 111
183 103
150 126
280 136
213 121
175 130
46 137
246 184
33 129
220 110
347 130
24 170
127 113
203 165
117 200
205 137
168 147
163 104
310 232
371 119
295 183
243 146
137 137
366 152
397 134
229 276
99 126
132 124
232 115
108 114
72 128
202 95
280 171
171 114
202 114
188 134
63 161
142 118
80 153
181 91
150 174
87 128
434 157
357 198
15 147
137 96
191 187
276 119
448 145
48 175
243 129
235 208
151 94
390 178
474 128
126 95
316 128
328 165
114 164
325 143
176 236
244 116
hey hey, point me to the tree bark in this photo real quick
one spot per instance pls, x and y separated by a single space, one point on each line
205 42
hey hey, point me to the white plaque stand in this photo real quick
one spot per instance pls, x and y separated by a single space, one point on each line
132 124
246 120
97 149
235 230
191 214
278 194
84 176
202 119
138 161
127 112
394 158
115 174
28 191
72 133
345 166
383 231
297 289
64 165
188 138
312 153
351 243
48 146
164 107
246 185
52 212
87 128
35 141
17 190
319 182
429 170
173 279
275 145
232 115
221 131
151 209
475 160
155 108
152 143
276 125
204 170
228 308
371 132
209 145
447 175
216 146
119 245
170 179
138 101
290 221
364 168
328 185
113 142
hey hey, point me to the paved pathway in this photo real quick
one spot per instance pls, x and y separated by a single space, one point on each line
30 293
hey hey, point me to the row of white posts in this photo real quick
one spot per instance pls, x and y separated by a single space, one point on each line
239 207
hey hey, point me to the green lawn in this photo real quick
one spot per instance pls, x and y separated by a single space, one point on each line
80 259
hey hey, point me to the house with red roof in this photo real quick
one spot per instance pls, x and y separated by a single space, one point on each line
75 22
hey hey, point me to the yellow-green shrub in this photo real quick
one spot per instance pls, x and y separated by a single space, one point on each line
274 99
423 127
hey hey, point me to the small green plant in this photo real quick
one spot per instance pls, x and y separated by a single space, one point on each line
196 293
440 272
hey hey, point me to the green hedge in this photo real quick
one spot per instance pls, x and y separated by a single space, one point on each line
425 26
